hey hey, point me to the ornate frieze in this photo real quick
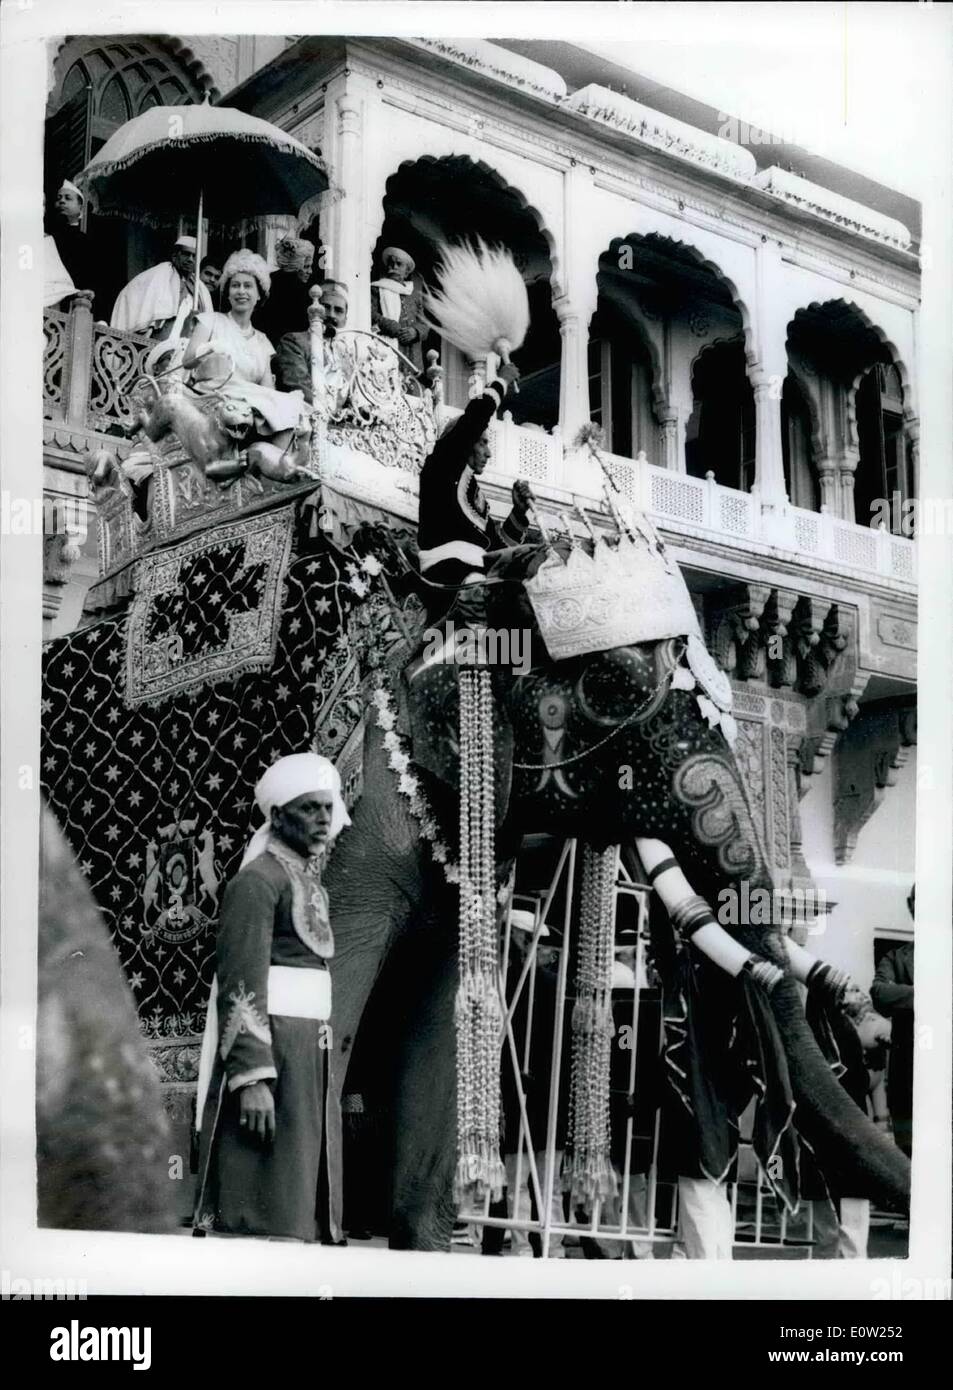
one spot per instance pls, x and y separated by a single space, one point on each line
663 132
498 63
801 193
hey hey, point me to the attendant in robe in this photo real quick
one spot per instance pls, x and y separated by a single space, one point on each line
396 305
57 284
286 308
245 284
73 243
892 995
159 301
264 1168
455 530
293 358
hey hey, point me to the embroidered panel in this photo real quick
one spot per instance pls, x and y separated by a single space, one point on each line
156 800
207 608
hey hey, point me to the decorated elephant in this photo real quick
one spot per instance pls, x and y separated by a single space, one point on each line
628 746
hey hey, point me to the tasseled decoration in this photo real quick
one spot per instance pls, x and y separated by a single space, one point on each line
478 1012
587 1168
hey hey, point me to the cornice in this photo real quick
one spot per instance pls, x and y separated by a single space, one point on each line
661 132
511 69
791 188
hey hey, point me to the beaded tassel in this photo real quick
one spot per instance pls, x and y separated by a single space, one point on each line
587 1169
478 1012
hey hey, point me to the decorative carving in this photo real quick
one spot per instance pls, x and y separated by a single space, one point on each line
500 64
663 132
55 333
895 632
870 753
791 188
737 637
780 819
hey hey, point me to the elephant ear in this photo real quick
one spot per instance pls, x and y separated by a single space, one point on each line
432 704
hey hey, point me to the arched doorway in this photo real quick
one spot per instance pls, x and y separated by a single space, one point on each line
657 298
430 203
797 451
99 84
854 383
720 437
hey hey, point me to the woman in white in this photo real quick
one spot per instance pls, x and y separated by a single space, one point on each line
245 284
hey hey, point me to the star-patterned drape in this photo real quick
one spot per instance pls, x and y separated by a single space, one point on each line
156 797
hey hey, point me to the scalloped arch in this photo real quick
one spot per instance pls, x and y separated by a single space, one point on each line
191 67
555 274
893 355
806 392
702 261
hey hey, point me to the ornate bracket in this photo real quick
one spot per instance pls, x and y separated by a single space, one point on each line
870 754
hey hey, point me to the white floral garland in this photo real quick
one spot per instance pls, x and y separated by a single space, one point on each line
407 784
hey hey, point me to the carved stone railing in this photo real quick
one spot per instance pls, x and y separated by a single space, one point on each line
376 404
89 370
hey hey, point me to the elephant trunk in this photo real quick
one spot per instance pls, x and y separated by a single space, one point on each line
856 1159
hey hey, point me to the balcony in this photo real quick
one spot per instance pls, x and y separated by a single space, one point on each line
701 509
377 433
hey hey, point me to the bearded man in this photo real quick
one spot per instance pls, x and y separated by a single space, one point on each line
263 1165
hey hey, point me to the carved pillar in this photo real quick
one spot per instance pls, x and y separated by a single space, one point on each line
768 365
576 305
846 471
347 237
668 434
769 460
780 652
573 371
79 358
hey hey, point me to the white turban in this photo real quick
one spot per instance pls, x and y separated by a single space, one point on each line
188 243
70 187
285 781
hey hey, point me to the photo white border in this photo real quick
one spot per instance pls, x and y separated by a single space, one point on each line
111 1263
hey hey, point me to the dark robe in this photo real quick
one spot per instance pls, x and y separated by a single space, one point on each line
286 308
453 512
892 995
247 1186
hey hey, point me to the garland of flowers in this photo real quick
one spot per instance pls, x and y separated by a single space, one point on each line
398 759
587 1170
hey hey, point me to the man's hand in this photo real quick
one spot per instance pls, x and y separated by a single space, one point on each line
389 327
509 373
257 1110
406 335
523 498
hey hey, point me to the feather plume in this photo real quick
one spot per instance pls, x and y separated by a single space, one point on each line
480 303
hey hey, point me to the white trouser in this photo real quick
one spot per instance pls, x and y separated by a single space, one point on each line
704 1221
637 1215
519 1203
845 1239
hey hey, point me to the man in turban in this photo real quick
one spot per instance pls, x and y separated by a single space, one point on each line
72 242
286 309
293 358
396 310
263 1162
455 529
161 297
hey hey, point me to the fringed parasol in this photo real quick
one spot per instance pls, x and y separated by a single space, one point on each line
480 304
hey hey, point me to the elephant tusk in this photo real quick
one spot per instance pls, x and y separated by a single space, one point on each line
800 961
675 890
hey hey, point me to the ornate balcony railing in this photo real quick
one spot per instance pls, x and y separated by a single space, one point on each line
376 413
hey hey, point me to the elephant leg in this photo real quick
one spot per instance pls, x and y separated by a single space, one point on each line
426 1101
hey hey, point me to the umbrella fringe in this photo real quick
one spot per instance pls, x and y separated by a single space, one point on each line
87 182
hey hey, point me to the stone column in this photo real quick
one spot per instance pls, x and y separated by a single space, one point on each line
769 459
576 305
346 233
573 373
768 365
79 357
